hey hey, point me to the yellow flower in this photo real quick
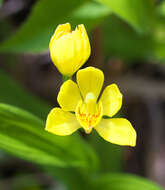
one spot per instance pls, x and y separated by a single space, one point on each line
82 99
69 50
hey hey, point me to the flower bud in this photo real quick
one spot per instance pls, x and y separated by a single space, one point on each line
69 50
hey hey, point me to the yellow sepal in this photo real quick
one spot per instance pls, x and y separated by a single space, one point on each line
61 123
118 131
60 30
111 100
90 80
69 96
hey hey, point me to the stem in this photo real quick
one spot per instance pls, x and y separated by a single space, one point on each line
65 78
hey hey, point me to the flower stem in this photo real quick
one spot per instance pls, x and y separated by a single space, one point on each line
65 78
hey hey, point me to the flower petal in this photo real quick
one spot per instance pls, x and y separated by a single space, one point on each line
85 43
118 131
69 96
60 30
61 123
111 100
90 80
69 50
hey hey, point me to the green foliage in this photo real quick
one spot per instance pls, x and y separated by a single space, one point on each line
119 37
110 155
120 40
125 182
90 13
139 13
13 93
91 10
161 9
23 135
35 34
159 33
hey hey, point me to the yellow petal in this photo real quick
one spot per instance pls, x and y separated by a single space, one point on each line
90 80
111 100
118 131
61 123
60 30
70 50
86 50
69 96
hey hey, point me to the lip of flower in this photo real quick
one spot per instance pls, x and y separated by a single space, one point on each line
69 50
82 99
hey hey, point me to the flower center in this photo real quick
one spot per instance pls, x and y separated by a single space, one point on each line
89 112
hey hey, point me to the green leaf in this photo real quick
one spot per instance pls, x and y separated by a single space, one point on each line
91 10
159 40
159 33
125 182
139 13
161 9
35 34
110 155
119 38
73 178
13 93
23 135
90 13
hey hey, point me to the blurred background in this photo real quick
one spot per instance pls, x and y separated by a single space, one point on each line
128 44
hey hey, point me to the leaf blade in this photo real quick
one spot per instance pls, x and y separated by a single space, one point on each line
23 135
35 33
129 11
125 182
